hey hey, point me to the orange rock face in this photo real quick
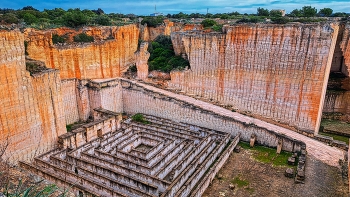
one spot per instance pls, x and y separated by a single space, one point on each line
141 57
275 71
109 56
151 33
345 47
31 116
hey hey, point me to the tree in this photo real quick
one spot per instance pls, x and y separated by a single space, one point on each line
308 11
29 8
325 12
275 13
224 16
75 18
102 20
339 14
99 11
29 18
9 18
208 23
262 12
295 13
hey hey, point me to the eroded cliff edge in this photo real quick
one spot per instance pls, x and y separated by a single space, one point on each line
107 57
274 71
31 112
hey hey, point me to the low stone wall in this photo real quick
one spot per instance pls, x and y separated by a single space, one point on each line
105 121
138 99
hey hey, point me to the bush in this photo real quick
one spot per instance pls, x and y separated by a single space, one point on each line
139 118
208 23
75 18
58 39
152 21
83 37
280 20
9 18
163 57
217 28
102 20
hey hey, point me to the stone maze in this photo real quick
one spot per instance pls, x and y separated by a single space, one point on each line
158 157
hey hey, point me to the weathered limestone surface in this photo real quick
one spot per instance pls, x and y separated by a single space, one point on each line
345 47
141 98
31 112
276 71
110 54
151 33
106 94
338 99
141 58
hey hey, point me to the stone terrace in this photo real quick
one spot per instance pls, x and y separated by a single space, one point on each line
162 158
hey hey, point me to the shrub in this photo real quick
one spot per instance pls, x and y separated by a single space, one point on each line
163 57
102 20
83 37
58 39
280 20
152 21
75 18
208 23
139 118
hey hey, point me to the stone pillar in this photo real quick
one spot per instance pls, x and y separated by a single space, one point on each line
279 146
252 140
141 57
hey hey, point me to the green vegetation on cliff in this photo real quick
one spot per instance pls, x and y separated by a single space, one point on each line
163 57
31 17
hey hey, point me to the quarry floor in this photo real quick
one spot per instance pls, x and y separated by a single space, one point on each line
253 178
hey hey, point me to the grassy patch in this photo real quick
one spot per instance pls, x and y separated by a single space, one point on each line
139 118
69 127
267 155
240 182
336 137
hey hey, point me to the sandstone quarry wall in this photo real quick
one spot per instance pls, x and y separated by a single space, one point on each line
70 101
151 33
105 94
338 93
137 99
345 48
276 71
31 112
110 55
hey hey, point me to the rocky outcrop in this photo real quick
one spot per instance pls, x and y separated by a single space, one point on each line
141 57
110 55
337 102
275 71
345 47
151 33
31 116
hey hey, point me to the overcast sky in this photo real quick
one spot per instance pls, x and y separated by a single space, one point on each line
144 7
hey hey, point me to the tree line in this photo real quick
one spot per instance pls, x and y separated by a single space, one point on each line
59 17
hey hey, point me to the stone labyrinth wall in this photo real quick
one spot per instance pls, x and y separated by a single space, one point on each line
160 158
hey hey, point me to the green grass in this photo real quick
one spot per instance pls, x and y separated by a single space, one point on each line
139 118
336 137
268 155
240 182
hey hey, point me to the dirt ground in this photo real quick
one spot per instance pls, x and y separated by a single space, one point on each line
252 178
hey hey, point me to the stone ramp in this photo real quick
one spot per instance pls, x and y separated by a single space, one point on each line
319 150
177 158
